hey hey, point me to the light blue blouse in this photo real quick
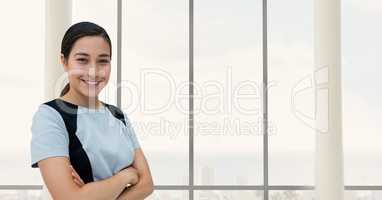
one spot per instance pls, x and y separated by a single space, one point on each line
108 143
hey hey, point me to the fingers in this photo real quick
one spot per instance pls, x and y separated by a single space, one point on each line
77 182
76 178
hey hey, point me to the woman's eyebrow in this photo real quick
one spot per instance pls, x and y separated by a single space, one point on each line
104 55
81 54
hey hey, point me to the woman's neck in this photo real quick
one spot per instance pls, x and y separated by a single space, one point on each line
78 99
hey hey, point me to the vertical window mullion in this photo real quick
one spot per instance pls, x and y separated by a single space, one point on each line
265 100
191 100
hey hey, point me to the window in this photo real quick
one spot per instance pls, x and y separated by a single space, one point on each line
154 83
220 47
21 85
228 93
362 88
291 99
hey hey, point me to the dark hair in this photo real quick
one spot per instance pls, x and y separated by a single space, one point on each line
77 31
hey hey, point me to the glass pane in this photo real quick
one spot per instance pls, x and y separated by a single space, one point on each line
362 86
292 195
20 194
154 90
229 195
291 97
227 74
375 195
168 195
21 84
90 10
310 195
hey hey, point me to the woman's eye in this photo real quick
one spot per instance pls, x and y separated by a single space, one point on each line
81 60
104 61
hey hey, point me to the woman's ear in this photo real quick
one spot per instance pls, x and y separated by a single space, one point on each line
64 62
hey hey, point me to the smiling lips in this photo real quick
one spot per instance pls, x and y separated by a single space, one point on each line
90 82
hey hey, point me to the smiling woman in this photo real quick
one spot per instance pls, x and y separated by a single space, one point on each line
78 46
86 148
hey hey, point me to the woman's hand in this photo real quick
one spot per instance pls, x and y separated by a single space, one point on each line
131 175
76 178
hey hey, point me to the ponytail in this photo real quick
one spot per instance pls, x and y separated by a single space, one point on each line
65 90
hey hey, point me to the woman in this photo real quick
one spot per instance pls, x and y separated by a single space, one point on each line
85 148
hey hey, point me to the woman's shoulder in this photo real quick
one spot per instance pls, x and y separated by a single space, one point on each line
44 109
117 112
45 115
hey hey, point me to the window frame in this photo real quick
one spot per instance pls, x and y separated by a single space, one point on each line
191 187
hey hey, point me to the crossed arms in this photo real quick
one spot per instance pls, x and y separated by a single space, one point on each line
64 183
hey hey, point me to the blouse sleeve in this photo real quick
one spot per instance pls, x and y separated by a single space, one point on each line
49 135
131 132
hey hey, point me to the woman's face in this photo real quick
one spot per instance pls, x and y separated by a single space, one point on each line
88 65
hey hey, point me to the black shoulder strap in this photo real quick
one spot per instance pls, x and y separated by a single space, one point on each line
116 112
78 157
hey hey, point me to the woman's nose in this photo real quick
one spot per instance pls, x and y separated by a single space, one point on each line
95 73
92 71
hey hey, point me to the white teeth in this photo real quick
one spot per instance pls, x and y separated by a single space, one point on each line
91 82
